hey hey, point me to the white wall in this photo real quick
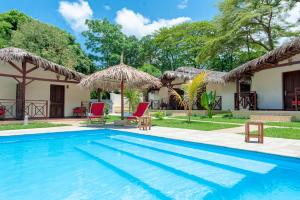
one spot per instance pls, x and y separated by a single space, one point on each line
40 90
269 86
226 91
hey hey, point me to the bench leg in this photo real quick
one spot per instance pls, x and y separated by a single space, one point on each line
247 130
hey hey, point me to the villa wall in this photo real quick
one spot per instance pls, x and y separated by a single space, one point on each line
269 84
40 90
226 91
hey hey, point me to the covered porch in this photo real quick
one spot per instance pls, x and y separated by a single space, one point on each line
35 87
270 82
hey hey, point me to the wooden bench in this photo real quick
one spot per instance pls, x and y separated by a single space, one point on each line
260 133
271 118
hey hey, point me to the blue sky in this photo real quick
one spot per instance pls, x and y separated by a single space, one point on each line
138 17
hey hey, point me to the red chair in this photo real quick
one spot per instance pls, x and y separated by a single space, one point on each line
296 101
97 112
2 112
140 111
79 112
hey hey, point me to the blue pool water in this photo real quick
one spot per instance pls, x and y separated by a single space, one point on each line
106 164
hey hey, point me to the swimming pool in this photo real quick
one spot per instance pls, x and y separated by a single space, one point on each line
108 164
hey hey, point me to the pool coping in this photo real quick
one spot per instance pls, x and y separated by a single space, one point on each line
274 146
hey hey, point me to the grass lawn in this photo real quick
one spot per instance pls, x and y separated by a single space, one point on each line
204 126
287 133
29 126
285 124
216 119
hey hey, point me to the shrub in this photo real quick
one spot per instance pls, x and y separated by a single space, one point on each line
159 115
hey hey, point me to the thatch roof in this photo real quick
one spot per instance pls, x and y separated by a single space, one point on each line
11 54
110 78
188 73
269 60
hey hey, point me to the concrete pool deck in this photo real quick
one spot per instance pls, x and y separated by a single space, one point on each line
226 137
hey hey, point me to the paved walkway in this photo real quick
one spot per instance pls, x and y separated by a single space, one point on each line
225 137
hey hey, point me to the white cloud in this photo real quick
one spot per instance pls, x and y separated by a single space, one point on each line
294 14
107 7
75 13
183 4
136 24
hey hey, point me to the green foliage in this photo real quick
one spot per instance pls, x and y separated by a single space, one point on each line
179 45
9 22
159 115
208 101
53 44
246 29
106 43
150 69
106 110
191 90
133 97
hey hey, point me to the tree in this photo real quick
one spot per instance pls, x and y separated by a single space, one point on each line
179 45
9 22
150 69
247 29
191 90
106 43
53 44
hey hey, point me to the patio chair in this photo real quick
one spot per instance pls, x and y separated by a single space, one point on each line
2 112
140 111
79 112
97 112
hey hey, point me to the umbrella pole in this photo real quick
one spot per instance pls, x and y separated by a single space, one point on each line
122 99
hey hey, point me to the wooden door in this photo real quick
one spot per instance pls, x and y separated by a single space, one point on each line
291 80
57 101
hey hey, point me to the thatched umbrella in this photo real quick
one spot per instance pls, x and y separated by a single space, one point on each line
119 77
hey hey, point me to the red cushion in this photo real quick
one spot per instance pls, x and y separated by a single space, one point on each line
294 102
78 110
2 111
97 109
141 109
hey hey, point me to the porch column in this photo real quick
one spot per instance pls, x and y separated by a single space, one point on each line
237 94
21 94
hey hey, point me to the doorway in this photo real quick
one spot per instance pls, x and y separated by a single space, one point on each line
291 81
57 101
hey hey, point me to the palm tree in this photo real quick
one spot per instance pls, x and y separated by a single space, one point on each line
191 90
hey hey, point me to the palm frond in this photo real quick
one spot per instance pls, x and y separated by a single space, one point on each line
179 99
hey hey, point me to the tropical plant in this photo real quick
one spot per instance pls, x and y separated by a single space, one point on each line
159 115
133 97
191 90
208 101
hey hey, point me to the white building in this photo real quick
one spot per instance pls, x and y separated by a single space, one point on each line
268 85
33 86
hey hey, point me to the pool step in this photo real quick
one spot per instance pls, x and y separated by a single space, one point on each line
207 174
160 182
235 163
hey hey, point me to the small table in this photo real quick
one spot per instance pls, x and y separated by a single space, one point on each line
260 133
144 123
